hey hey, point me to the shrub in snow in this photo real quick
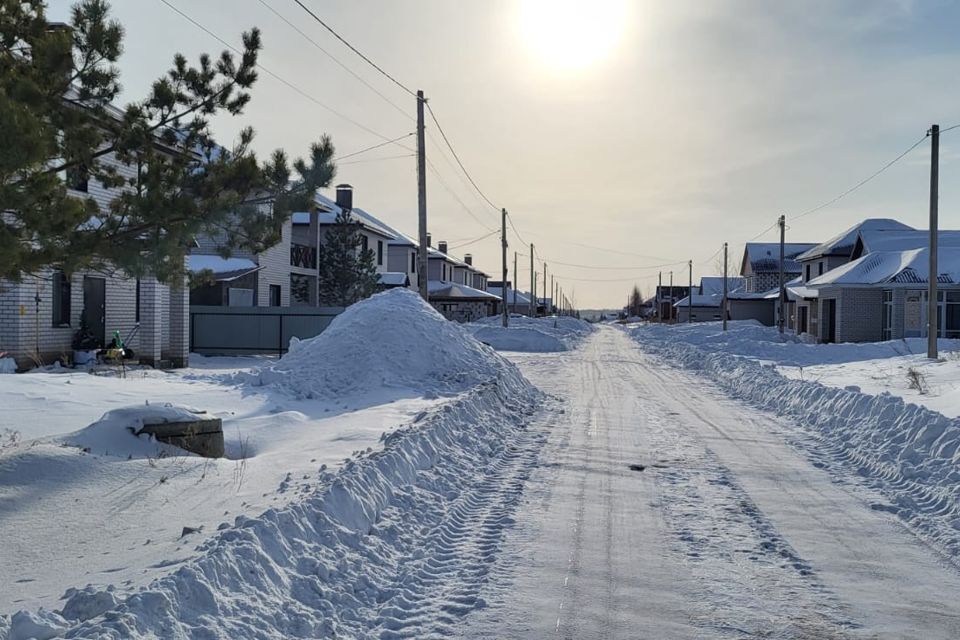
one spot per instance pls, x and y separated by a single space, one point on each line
392 340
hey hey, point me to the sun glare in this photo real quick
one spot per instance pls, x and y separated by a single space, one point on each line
572 34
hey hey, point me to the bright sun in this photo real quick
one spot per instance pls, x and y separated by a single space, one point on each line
572 34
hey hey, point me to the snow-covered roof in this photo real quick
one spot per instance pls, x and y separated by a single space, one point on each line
513 296
444 289
904 267
225 269
330 217
711 300
714 284
871 242
394 279
765 256
843 243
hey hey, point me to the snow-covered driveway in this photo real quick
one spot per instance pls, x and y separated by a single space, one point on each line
663 509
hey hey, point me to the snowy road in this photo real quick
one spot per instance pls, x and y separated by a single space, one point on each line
663 509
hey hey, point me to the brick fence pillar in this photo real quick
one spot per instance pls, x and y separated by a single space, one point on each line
151 321
179 325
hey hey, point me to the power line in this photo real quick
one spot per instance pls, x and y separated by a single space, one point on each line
474 241
355 50
433 117
862 182
364 160
276 76
353 73
455 196
376 146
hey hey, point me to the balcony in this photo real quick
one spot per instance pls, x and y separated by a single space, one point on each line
303 256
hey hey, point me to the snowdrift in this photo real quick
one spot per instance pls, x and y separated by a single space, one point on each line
393 340
396 543
909 453
561 333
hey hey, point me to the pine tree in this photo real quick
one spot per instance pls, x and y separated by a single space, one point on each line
636 302
58 124
347 272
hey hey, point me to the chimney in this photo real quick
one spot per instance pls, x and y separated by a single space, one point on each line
468 259
429 240
345 196
442 246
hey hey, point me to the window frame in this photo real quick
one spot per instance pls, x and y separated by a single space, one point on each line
61 293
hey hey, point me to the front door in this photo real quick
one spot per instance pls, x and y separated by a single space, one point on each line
95 308
829 320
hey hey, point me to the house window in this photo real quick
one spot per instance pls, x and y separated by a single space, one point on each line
364 243
820 268
60 296
380 252
275 295
951 315
137 303
807 279
78 178
413 262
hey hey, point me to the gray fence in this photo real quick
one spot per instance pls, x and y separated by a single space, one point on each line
244 330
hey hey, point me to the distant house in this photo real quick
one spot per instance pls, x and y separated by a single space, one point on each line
666 298
760 267
518 302
802 309
707 302
286 274
451 289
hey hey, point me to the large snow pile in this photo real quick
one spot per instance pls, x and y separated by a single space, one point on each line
561 333
393 340
397 543
909 453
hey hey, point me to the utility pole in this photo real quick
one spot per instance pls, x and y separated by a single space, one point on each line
932 315
504 288
516 279
690 293
670 311
723 310
553 295
658 297
422 259
781 321
533 286
545 309
536 301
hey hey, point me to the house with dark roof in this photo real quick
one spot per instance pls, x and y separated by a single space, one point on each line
760 267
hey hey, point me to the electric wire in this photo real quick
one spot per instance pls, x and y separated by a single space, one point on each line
456 157
276 76
342 65
366 160
355 50
376 146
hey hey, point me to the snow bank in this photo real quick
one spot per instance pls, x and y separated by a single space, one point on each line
392 340
561 333
384 548
907 452
754 340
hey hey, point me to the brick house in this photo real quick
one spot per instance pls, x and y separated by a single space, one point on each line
40 313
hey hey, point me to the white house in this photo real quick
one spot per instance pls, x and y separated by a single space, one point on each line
42 312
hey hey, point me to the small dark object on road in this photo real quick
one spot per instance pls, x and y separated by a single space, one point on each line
637 467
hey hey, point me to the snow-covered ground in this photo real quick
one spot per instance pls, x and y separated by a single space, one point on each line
876 368
554 333
312 525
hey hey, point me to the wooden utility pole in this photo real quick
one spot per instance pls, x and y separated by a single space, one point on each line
658 296
422 258
781 321
723 310
932 308
533 286
553 295
670 311
536 301
516 279
504 288
690 293
545 308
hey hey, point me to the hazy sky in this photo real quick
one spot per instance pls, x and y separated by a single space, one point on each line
652 130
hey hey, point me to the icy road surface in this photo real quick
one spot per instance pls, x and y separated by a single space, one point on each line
663 509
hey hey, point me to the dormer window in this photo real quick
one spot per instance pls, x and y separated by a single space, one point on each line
78 178
807 279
